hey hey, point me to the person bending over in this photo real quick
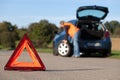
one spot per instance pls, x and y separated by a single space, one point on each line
74 33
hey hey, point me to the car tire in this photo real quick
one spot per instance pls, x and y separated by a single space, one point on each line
64 49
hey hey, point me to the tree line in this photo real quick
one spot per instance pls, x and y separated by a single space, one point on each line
114 27
41 33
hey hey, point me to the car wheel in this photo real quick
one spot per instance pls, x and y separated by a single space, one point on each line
64 49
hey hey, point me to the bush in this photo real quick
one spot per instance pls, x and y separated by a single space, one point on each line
7 40
41 33
8 35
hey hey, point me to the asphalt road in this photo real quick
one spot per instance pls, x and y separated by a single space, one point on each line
64 68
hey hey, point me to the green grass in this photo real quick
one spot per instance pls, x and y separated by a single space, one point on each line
115 54
44 50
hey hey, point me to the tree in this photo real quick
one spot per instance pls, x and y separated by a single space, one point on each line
113 26
7 41
41 33
21 32
109 27
8 34
117 31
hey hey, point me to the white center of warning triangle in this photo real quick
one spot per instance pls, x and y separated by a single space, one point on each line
24 57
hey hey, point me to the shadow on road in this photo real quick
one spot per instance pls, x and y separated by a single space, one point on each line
67 70
58 70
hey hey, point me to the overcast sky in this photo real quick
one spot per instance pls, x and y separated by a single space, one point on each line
24 12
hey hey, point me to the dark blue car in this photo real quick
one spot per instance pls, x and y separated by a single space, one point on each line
94 38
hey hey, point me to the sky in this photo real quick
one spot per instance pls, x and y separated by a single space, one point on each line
24 12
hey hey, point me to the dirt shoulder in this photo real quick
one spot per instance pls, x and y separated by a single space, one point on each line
115 44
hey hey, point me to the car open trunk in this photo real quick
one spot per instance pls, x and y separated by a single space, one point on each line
87 34
91 31
89 18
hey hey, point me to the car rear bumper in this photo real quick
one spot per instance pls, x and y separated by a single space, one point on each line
94 46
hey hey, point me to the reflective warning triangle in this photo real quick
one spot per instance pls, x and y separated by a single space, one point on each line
36 63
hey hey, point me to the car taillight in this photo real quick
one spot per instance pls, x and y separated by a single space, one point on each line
107 34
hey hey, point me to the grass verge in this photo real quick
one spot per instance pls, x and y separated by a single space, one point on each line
115 54
44 50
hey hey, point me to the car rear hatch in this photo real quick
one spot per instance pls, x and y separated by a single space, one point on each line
94 13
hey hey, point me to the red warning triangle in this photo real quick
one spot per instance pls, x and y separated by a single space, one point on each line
36 63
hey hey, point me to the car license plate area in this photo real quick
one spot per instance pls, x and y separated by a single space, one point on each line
93 44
